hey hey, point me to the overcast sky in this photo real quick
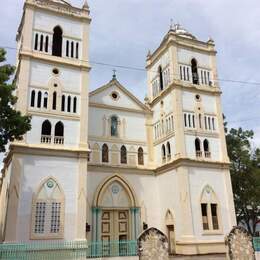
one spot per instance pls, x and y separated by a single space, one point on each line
122 32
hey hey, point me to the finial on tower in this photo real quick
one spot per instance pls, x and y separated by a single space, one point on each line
114 74
85 5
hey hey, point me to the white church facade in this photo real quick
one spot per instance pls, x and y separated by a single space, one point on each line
104 166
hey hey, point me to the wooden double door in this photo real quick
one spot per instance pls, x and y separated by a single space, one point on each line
115 225
114 232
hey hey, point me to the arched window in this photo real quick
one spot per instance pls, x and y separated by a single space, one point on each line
105 153
194 69
123 153
75 105
209 209
140 156
63 103
57 42
206 148
160 77
200 122
32 98
168 150
59 133
69 104
163 153
36 42
47 44
193 121
198 148
46 128
41 43
189 119
72 50
46 132
48 211
54 100
213 123
45 100
77 50
59 129
114 126
209 123
39 99
185 120
67 48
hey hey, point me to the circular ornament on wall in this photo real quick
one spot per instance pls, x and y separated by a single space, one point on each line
50 184
55 71
115 189
114 95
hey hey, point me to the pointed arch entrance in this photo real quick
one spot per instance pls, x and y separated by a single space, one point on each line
116 214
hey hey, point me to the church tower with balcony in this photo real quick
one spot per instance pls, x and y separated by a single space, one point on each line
48 167
102 166
189 143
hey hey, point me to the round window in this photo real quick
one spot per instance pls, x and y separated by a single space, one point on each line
55 71
197 97
114 95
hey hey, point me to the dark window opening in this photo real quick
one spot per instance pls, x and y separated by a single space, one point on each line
168 149
36 42
160 78
206 145
57 42
47 44
39 100
69 104
140 156
77 50
214 215
63 103
46 128
45 100
204 213
105 153
41 43
197 145
54 101
194 70
32 98
75 105
72 50
123 155
59 129
67 48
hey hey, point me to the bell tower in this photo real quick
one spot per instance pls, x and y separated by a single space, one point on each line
188 135
48 167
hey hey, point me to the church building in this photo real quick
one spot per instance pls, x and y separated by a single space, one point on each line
103 165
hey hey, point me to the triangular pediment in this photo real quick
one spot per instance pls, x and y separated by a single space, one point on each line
115 95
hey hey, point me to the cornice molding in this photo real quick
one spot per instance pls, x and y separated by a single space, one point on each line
108 139
84 65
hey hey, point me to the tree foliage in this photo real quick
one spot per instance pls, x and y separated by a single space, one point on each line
245 174
12 124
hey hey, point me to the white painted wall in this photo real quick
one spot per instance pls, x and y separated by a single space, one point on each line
68 78
47 21
34 170
71 130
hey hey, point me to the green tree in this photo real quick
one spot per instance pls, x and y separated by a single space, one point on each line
245 175
12 124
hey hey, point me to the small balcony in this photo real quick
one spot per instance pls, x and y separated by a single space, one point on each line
58 140
207 154
47 139
199 154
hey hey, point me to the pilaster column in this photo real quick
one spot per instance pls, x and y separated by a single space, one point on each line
94 225
132 211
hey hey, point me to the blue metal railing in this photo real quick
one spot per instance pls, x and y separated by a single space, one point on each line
257 244
67 250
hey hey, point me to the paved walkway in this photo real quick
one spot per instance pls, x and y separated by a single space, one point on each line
202 257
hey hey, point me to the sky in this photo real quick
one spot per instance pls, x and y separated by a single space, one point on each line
122 32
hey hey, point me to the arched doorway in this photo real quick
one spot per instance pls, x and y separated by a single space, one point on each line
116 215
170 232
